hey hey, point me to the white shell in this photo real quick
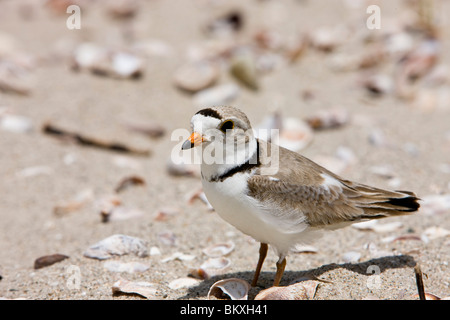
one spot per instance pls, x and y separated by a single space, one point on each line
304 290
196 76
295 135
216 96
146 289
236 289
117 245
130 267
219 249
15 123
374 225
181 283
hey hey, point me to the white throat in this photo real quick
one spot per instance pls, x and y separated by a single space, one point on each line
217 162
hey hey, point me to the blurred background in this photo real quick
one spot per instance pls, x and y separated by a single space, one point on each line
91 91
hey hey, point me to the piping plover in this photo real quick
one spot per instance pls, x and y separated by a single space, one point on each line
275 195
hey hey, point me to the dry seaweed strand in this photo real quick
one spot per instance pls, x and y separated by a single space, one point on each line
92 142
419 281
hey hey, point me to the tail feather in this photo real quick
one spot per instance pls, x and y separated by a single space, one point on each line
378 203
390 207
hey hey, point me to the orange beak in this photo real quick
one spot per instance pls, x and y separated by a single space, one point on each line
194 140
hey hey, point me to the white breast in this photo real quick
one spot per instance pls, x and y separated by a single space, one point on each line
230 200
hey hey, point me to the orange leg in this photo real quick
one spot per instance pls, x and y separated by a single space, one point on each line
262 255
281 264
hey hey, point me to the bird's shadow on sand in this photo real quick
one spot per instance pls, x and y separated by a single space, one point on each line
369 267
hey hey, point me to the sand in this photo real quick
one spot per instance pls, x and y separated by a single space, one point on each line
416 145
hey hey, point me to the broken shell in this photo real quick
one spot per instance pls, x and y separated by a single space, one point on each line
150 129
219 250
15 123
129 181
108 62
145 289
305 249
182 167
166 213
211 267
121 213
436 204
304 290
48 260
328 38
179 256
167 238
196 76
436 232
117 245
243 68
374 225
377 84
181 283
351 257
81 199
295 134
236 289
216 96
122 9
14 78
326 119
199 194
130 267
226 24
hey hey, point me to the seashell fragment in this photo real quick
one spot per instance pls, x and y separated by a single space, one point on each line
179 256
166 213
108 62
216 96
211 267
182 283
243 68
351 257
15 123
121 213
129 181
46 261
436 232
435 204
199 194
117 245
122 9
377 84
129 267
295 134
14 78
145 289
226 24
374 225
167 238
234 288
80 200
304 290
326 119
149 129
219 250
196 76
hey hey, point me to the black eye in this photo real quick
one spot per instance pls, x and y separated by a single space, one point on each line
227 125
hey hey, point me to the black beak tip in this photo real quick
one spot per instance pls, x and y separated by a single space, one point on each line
187 145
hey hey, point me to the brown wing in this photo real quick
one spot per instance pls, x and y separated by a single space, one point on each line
305 191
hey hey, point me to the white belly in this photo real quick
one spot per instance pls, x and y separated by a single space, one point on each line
229 199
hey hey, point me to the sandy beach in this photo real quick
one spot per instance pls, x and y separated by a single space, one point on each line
311 56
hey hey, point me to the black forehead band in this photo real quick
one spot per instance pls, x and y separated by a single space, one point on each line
208 112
